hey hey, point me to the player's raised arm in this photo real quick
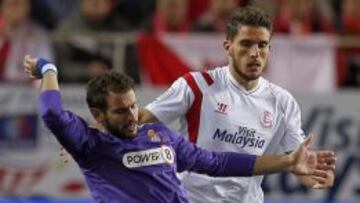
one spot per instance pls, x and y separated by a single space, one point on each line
68 128
50 104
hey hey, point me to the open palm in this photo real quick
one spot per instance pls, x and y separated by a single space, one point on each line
308 162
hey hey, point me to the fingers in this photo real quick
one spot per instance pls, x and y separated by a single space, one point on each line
319 173
326 167
27 71
322 183
327 160
325 153
27 57
320 186
330 167
29 64
29 61
308 140
319 180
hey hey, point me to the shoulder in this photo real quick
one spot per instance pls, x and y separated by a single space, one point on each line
277 91
213 74
205 78
282 95
159 129
158 126
95 134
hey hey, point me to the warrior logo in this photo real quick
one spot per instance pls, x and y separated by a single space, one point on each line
221 108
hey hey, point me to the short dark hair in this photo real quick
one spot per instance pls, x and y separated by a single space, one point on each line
99 87
247 16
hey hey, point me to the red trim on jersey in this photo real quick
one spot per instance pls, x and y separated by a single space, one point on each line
207 78
193 114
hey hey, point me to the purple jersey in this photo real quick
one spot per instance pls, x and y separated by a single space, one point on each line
142 169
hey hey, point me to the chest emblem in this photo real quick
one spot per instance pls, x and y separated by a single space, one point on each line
222 108
153 135
266 119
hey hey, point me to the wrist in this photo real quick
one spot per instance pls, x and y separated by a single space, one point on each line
43 66
290 162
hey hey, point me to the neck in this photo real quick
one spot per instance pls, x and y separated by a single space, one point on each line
248 84
99 127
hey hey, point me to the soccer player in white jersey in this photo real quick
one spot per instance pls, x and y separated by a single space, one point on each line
233 108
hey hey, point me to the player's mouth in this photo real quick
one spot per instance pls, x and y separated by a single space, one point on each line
254 66
132 126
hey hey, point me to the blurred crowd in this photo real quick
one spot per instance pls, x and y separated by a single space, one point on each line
55 29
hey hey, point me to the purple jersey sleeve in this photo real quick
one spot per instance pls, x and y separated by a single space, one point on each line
221 164
69 129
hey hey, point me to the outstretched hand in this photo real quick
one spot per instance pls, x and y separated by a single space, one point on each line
310 162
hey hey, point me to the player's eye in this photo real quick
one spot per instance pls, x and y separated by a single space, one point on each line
119 111
262 45
245 43
133 106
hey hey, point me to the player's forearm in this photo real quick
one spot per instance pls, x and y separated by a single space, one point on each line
49 81
272 164
236 164
49 99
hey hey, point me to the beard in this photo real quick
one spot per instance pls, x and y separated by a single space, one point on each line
242 74
119 130
114 129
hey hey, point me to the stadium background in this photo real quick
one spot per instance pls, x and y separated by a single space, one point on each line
315 54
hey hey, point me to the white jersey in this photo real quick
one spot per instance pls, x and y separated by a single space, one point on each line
218 114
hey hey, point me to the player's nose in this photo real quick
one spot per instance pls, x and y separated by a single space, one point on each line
254 51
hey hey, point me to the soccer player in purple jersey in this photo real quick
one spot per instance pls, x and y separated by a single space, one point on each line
125 162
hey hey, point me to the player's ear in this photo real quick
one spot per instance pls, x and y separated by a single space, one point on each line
226 45
98 114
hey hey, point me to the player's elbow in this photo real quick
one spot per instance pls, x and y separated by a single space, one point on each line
49 114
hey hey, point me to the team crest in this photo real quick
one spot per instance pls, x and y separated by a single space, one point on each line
154 136
266 119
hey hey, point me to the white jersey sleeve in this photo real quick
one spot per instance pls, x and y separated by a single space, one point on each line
294 134
173 103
